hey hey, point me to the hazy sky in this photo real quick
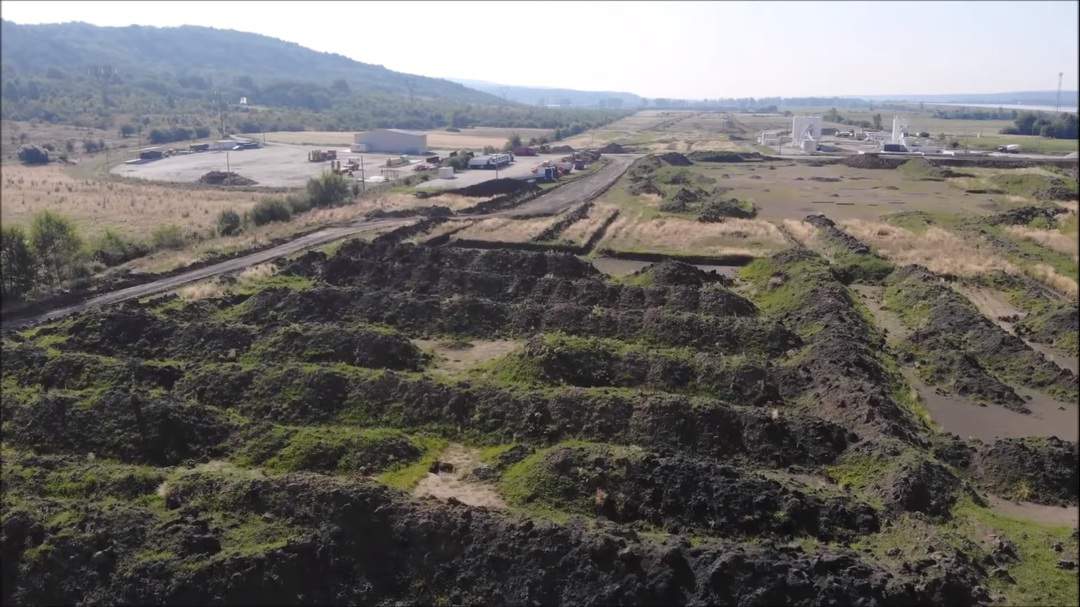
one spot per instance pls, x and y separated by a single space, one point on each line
689 50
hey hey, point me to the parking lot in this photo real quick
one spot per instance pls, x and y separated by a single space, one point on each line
287 165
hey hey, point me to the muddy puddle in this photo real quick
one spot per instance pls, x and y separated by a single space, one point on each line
993 305
453 480
965 417
1066 516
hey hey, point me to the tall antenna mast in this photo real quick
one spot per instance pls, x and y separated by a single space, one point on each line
1057 107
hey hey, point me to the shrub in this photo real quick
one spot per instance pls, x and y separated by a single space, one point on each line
113 249
17 266
269 210
32 154
328 189
298 204
167 237
228 222
56 245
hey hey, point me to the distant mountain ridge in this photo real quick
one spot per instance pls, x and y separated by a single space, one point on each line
1069 99
191 79
538 95
137 50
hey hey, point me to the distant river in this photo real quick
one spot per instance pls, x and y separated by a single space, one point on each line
1006 106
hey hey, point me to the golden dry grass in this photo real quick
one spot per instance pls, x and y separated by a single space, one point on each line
803 233
1049 276
683 236
581 231
133 209
939 250
506 229
1051 239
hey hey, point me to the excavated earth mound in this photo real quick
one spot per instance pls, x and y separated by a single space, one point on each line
671 437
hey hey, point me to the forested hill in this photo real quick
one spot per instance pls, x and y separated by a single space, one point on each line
209 57
75 73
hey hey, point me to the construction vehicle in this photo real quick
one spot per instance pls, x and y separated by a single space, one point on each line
1012 148
321 155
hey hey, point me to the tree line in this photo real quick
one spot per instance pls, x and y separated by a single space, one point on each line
1060 126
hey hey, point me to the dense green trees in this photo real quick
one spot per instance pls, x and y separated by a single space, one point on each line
1061 126
55 245
327 190
17 265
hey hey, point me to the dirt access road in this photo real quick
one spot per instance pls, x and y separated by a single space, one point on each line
550 203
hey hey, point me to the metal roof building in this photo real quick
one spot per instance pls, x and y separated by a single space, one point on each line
390 141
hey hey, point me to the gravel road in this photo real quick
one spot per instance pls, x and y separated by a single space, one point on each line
550 203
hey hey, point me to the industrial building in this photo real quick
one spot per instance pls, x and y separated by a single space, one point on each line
390 141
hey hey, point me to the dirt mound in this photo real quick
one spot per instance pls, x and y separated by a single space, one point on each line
872 161
364 539
675 159
718 209
835 234
225 178
839 369
131 426
1056 324
1041 470
494 187
358 346
706 156
956 345
612 148
679 493
562 360
1025 215
670 273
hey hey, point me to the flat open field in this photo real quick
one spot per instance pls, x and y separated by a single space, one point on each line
792 190
470 139
132 208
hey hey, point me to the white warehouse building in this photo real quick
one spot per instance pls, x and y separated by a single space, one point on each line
390 141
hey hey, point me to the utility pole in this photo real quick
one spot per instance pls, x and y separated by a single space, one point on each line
363 175
227 167
1057 106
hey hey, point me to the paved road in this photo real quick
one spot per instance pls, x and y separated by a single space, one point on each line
551 203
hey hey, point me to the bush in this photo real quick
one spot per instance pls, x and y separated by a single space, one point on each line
113 249
228 222
56 245
298 204
269 210
329 189
32 154
167 237
17 267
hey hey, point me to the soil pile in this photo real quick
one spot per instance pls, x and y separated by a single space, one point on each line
707 156
225 178
958 347
612 148
494 187
675 159
1041 470
872 161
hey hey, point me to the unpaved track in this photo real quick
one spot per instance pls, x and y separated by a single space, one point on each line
551 203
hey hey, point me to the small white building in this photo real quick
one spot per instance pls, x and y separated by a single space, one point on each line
804 128
390 141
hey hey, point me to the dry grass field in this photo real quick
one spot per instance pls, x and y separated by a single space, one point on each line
789 190
581 231
474 138
665 130
506 229
133 209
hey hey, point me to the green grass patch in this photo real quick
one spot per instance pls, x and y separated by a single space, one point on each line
406 477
